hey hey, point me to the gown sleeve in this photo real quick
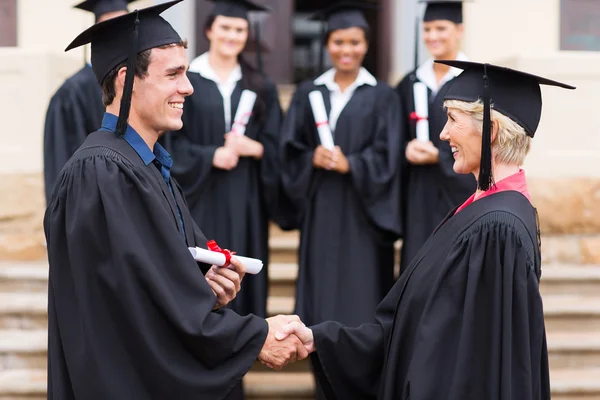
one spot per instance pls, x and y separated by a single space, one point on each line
483 328
374 171
135 259
348 362
297 149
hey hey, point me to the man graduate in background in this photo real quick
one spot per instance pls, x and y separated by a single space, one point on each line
76 108
131 315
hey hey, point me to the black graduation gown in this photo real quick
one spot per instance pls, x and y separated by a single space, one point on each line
348 222
129 312
465 321
428 191
230 206
75 110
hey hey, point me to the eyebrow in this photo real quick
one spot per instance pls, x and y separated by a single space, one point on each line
178 69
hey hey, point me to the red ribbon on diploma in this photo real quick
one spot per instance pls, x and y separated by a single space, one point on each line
213 246
322 123
416 117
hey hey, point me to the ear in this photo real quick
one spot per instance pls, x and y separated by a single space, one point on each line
495 129
460 30
120 80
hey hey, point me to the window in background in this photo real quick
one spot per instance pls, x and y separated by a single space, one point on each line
580 25
8 22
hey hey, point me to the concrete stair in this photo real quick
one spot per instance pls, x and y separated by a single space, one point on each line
571 304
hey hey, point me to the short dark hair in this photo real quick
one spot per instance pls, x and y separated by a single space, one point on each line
142 63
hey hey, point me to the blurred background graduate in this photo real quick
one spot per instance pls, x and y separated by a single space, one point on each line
76 108
227 176
348 196
430 188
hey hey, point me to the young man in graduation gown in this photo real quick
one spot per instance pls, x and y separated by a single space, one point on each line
465 320
228 177
76 109
430 187
131 315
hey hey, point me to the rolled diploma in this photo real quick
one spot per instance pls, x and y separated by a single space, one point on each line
253 265
318 108
244 112
422 110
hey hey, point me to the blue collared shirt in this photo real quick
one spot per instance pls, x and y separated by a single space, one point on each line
160 157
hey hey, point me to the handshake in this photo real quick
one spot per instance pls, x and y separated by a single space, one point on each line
288 341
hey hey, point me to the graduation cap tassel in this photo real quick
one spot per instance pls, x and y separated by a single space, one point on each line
129 77
321 48
417 43
259 65
485 168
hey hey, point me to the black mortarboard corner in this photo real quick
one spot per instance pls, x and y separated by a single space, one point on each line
515 94
443 10
341 15
235 8
100 7
120 39
240 9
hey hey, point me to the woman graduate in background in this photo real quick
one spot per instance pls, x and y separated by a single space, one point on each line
346 196
465 320
430 187
227 176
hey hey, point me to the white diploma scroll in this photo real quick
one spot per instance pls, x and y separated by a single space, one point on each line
318 108
244 112
253 265
422 110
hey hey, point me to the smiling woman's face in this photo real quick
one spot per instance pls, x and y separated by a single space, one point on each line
347 48
465 141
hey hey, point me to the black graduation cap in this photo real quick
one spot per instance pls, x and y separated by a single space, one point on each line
235 8
450 10
99 7
120 39
513 93
342 15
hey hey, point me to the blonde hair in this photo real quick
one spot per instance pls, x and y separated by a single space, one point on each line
511 144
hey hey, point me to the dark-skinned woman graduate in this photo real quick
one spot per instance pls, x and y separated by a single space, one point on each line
465 320
346 195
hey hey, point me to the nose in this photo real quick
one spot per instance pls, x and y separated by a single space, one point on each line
186 88
444 134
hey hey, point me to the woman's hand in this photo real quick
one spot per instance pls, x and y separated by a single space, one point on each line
225 158
331 160
243 145
422 153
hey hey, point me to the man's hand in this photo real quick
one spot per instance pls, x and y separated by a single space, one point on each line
226 282
302 332
277 354
225 158
243 145
421 153
331 159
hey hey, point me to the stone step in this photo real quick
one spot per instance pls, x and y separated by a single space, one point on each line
575 384
572 313
565 279
568 350
23 277
23 350
282 277
30 382
23 311
279 385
